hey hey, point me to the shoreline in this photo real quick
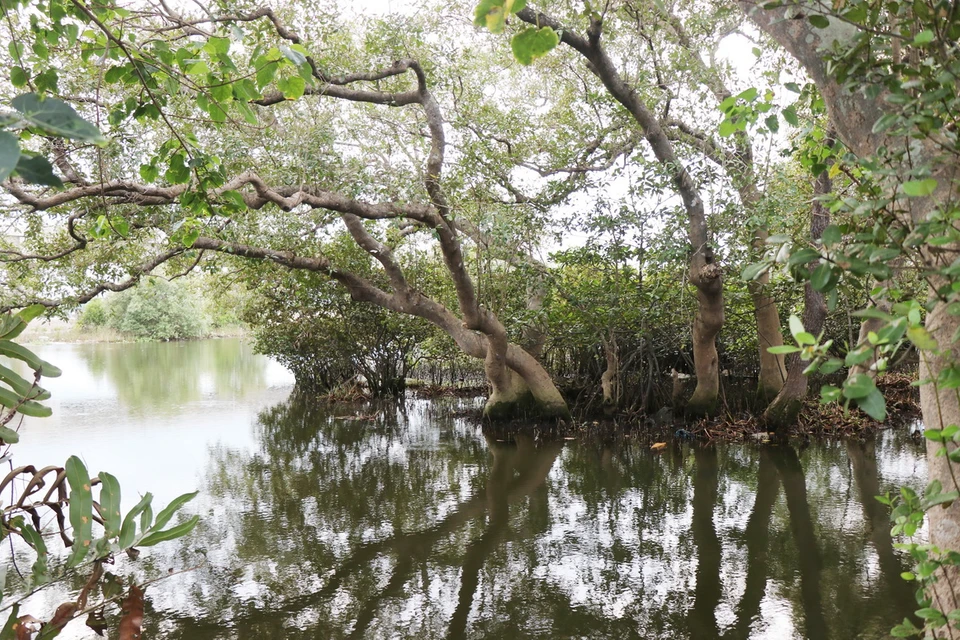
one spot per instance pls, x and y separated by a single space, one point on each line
58 331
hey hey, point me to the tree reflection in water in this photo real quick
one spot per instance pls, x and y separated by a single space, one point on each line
412 524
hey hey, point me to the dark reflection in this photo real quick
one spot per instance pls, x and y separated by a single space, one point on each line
757 534
405 522
703 620
801 524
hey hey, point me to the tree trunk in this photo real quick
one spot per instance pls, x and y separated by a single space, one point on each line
773 370
706 326
704 273
610 379
785 408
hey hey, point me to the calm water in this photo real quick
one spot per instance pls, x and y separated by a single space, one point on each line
410 523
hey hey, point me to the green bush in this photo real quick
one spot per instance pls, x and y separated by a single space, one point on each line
157 310
94 314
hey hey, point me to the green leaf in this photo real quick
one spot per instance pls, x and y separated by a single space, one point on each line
803 256
9 154
831 236
754 271
26 407
177 172
885 121
921 338
56 117
820 22
81 509
164 516
266 74
109 504
149 172
533 43
781 349
14 350
8 435
292 87
295 57
859 386
919 188
727 128
924 37
796 326
191 236
829 393
772 122
790 115
128 531
874 405
18 77
823 277
38 170
172 533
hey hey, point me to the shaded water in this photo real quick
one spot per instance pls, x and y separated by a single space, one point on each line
410 523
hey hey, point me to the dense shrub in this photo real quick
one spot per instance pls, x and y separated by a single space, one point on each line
157 310
94 314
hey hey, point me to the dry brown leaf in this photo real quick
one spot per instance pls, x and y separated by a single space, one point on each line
132 608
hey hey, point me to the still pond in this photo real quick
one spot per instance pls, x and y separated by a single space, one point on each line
407 522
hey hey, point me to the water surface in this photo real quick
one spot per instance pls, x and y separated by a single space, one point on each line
408 522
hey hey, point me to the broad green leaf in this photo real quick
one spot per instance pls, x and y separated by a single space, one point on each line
919 188
56 117
859 386
803 256
829 393
81 509
9 154
533 43
819 21
790 115
172 533
874 405
26 407
921 338
295 57
831 235
292 87
23 387
38 170
727 128
14 350
924 37
109 504
149 172
266 73
773 123
18 77
40 573
8 435
823 277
